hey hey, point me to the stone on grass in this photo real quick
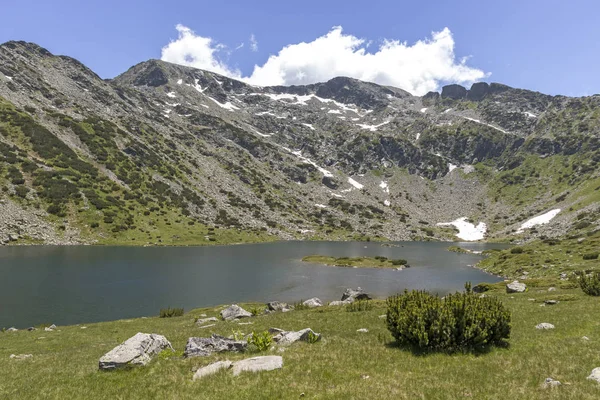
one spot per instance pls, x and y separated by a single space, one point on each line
202 347
383 316
550 383
20 356
284 338
564 276
256 364
544 326
234 312
550 302
595 375
515 287
279 306
12 329
137 350
551 289
585 338
212 369
312 303
206 326
353 295
362 330
202 321
52 326
339 303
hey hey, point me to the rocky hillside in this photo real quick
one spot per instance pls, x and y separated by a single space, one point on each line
175 155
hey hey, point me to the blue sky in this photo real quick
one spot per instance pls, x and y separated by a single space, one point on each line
550 46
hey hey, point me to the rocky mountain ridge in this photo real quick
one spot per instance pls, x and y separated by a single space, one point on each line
176 155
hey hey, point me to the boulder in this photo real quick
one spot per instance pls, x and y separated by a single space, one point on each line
516 287
256 364
353 295
550 383
212 369
202 321
544 326
595 375
12 329
279 306
137 350
202 347
234 312
478 91
312 303
454 91
284 338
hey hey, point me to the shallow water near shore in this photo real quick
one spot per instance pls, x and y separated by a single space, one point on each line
77 284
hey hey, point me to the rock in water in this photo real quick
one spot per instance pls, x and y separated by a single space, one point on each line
544 325
137 350
312 303
595 375
278 306
234 312
202 347
212 369
353 295
516 287
284 338
256 364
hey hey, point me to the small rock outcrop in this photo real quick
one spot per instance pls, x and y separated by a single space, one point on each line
256 364
516 287
478 91
279 306
234 312
202 347
353 295
137 350
212 369
312 303
595 375
544 326
284 338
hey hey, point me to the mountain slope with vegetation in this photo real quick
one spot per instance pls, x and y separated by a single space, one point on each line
166 154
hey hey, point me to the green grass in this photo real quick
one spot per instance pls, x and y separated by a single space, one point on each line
458 249
359 262
65 362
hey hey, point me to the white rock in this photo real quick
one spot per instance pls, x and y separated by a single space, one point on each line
212 369
20 356
234 312
312 303
585 338
339 303
550 383
363 330
551 289
137 350
516 287
544 325
595 375
284 338
256 364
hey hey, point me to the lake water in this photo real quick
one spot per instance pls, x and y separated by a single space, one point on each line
77 284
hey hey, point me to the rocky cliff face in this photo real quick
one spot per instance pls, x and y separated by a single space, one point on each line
171 154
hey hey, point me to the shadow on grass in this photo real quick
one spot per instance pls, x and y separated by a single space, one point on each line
424 352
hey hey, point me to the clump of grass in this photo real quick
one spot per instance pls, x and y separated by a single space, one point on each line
171 312
516 250
312 337
591 256
590 284
261 341
298 306
255 311
399 261
359 305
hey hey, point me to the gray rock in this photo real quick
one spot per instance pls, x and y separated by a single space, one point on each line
339 303
550 383
212 369
52 326
279 306
256 364
454 91
478 91
353 295
20 356
550 302
284 338
515 287
202 347
12 329
312 303
544 326
595 375
234 312
202 321
137 350
551 289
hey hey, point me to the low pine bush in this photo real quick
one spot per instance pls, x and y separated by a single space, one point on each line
590 284
460 321
171 312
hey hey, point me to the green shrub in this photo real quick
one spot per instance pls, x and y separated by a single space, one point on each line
516 250
300 306
399 261
261 341
590 284
460 321
255 311
590 256
312 337
482 287
359 305
171 312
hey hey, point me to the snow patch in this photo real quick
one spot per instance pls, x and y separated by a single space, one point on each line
466 230
418 135
171 95
447 111
486 124
260 114
227 106
197 86
387 203
384 186
337 195
539 220
530 115
334 112
309 126
451 167
179 82
372 128
423 109
321 205
355 184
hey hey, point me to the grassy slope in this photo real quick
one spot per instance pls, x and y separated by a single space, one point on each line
64 363
359 262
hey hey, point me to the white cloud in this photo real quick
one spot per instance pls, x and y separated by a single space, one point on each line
253 43
417 68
